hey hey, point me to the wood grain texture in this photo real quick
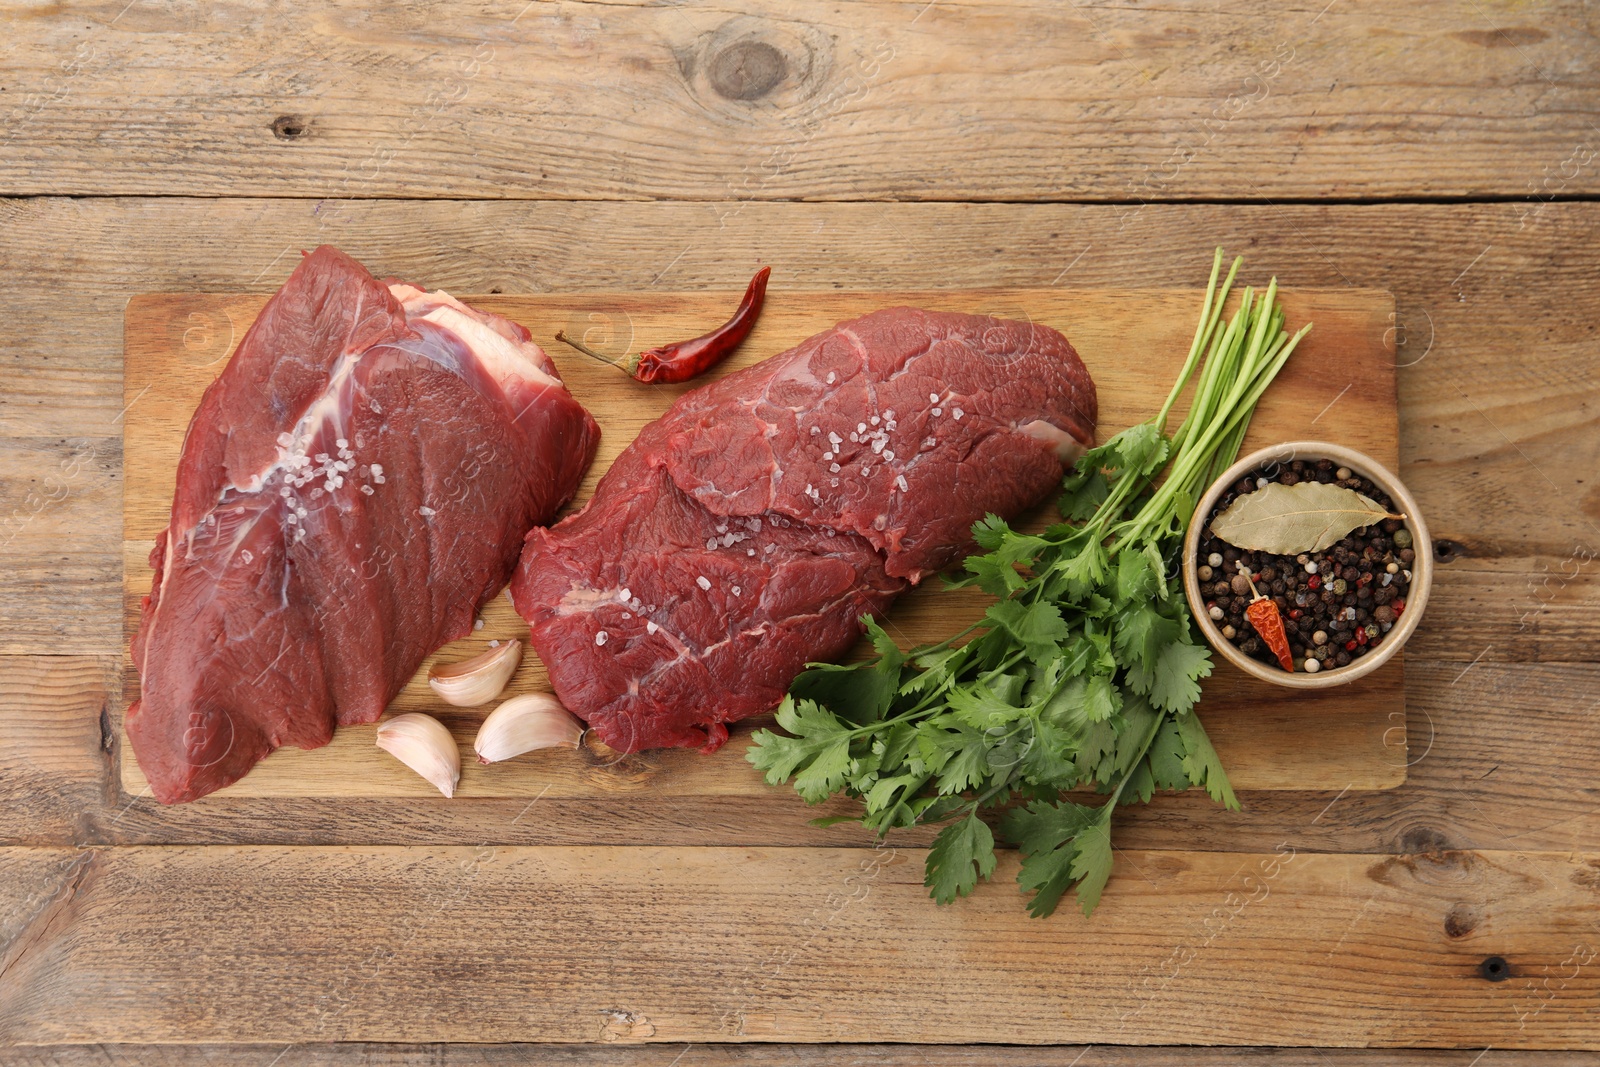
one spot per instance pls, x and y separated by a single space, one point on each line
761 944
1501 758
1346 738
763 1055
54 574
861 100
1499 381
56 769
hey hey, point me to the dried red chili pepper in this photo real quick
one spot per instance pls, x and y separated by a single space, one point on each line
683 360
1268 622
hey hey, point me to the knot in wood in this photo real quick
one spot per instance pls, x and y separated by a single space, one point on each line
290 127
747 70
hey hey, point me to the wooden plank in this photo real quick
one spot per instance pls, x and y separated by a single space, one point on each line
1498 754
761 944
178 343
867 100
55 746
766 1055
55 575
1529 288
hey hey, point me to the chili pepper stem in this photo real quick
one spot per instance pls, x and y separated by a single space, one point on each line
586 350
1255 594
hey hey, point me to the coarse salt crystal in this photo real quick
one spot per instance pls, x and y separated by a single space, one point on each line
624 594
933 398
285 439
650 627
874 420
477 624
495 643
835 439
247 555
956 414
366 490
833 468
736 590
888 454
722 527
878 443
284 492
827 455
749 551
711 544
703 582
861 427
377 470
938 411
600 638
900 482
426 512
627 614
342 443
815 430
832 377
833 483
856 438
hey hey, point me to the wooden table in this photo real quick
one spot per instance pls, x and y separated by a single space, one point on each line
1442 150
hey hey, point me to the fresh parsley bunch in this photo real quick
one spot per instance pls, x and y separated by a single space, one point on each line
1082 675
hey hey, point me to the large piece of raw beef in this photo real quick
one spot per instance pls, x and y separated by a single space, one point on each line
745 532
353 488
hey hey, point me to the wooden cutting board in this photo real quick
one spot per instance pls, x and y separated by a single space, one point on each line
1339 386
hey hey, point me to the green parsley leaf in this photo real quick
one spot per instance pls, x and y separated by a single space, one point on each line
812 730
1047 834
1082 495
1091 861
961 854
1166 758
1038 627
1201 765
1177 676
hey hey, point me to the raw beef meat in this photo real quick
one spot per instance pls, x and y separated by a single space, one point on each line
745 532
353 487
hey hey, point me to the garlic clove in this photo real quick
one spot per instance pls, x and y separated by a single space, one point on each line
422 743
522 724
477 680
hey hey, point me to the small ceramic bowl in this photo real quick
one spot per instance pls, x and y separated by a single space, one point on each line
1421 567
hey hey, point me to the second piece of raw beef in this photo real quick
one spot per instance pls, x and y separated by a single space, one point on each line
745 532
353 488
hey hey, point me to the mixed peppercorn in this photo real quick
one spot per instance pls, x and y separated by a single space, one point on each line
1335 605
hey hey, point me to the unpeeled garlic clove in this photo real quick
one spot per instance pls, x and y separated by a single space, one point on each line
522 724
422 743
477 680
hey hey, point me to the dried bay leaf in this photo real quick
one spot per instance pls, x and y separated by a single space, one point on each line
1289 519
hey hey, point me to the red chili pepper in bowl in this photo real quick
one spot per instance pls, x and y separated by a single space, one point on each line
683 360
1268 622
